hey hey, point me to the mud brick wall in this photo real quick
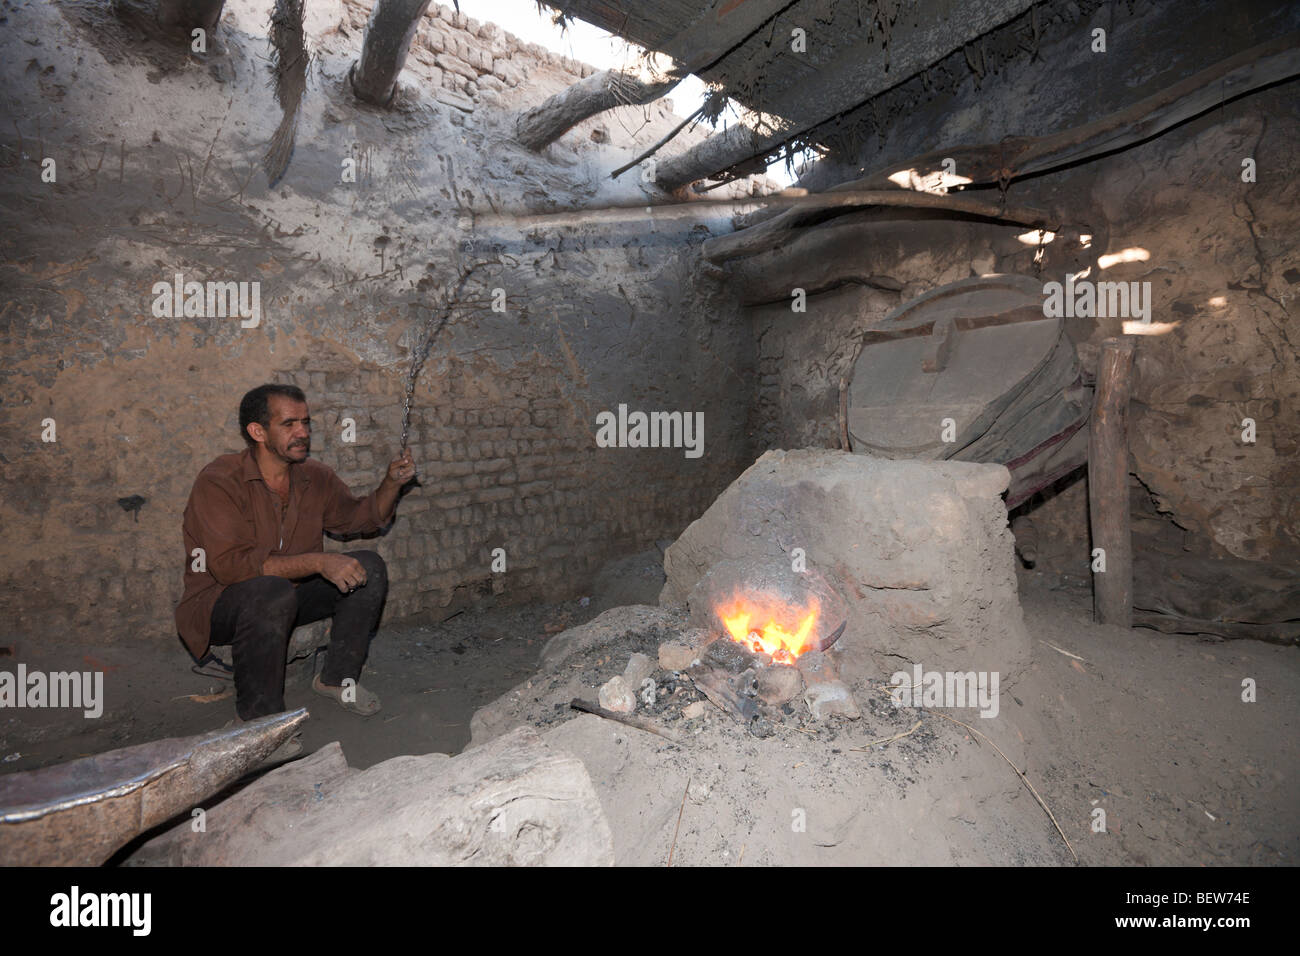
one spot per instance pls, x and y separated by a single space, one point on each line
158 157
519 472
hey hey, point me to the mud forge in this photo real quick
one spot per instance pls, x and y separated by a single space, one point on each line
813 433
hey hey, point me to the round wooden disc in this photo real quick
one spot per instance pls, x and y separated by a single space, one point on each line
998 340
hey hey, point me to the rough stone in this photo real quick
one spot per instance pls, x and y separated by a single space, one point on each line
830 698
616 695
434 38
453 98
686 650
513 802
779 684
676 657
604 629
639 667
454 64
307 638
817 666
508 72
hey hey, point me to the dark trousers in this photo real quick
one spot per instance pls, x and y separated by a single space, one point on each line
256 618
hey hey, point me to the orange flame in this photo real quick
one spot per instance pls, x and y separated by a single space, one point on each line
786 635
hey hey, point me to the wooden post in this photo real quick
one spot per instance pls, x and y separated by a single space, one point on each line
1108 499
389 33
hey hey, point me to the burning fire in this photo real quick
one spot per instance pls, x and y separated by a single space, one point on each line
787 633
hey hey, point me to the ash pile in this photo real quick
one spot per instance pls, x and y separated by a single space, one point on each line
652 669
702 668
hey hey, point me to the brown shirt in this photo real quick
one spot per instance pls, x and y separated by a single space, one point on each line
239 522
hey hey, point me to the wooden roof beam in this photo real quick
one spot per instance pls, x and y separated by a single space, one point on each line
389 33
542 125
719 29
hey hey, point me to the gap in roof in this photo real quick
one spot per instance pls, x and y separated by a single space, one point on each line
605 51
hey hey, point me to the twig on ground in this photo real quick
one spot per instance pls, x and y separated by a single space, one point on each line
1061 650
630 720
1022 776
798 730
677 828
885 740
207 698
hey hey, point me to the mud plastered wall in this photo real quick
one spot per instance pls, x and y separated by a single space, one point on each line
157 158
1217 251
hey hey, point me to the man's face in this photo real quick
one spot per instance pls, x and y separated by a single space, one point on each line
288 435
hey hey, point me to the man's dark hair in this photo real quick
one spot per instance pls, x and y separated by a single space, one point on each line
255 407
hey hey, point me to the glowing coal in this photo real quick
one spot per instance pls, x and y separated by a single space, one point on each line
768 608
769 625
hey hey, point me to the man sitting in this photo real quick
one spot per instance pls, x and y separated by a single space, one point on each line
255 564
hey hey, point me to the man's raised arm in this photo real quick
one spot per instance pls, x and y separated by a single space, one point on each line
345 514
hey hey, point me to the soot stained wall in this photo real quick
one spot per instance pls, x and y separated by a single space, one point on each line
157 157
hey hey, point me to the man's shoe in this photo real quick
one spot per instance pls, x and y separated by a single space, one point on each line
212 665
363 703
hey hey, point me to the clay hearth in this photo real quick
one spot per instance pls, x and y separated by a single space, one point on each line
915 556
815 574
